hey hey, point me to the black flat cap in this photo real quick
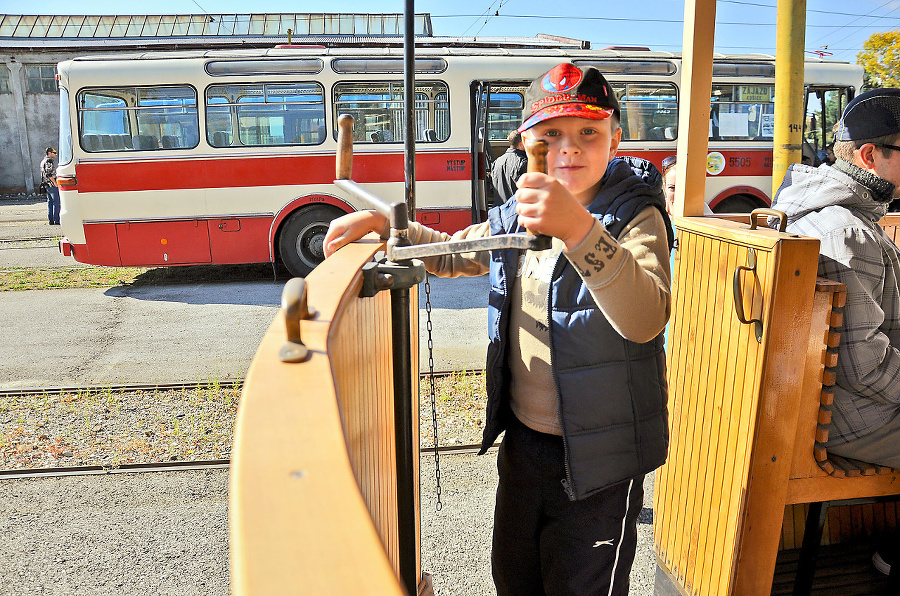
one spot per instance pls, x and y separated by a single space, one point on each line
873 114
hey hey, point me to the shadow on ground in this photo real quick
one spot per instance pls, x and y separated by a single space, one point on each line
191 274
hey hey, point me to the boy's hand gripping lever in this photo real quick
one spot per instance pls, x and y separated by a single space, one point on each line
537 162
397 247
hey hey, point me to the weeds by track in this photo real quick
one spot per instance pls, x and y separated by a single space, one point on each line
158 427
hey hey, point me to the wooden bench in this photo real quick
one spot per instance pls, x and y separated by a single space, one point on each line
745 407
818 477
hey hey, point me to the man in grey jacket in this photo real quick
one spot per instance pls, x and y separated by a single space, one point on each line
841 205
508 168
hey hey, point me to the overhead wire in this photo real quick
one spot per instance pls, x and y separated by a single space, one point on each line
479 17
853 21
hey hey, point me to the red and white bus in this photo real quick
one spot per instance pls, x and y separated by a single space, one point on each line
216 157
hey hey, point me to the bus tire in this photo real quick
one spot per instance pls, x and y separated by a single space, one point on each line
737 204
301 241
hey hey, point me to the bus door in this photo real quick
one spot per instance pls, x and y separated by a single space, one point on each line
823 107
498 111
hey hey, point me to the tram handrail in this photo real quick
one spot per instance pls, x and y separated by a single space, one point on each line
298 520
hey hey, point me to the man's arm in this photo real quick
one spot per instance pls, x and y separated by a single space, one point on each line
868 364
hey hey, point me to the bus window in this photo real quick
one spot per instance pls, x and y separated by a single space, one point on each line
65 128
742 112
377 110
649 111
823 110
504 112
136 119
265 114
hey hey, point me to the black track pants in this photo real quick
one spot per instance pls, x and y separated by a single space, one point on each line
545 544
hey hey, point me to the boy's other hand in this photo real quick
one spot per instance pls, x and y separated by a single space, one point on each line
546 207
351 227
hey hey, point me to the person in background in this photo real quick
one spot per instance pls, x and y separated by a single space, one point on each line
669 182
48 183
668 172
508 168
576 344
841 205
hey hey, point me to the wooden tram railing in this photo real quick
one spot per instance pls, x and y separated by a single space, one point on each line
745 407
313 501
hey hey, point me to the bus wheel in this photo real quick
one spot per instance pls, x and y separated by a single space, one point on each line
302 239
737 204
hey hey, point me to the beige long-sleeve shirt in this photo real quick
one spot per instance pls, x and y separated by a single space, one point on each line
631 287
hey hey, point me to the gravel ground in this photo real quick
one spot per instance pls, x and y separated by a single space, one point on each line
167 533
118 534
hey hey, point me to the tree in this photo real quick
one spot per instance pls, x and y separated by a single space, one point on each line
881 59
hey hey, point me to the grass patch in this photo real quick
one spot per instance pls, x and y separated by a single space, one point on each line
460 400
110 428
29 278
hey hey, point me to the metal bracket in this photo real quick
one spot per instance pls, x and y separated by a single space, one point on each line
296 309
389 275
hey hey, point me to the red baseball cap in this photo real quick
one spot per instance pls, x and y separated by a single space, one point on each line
568 90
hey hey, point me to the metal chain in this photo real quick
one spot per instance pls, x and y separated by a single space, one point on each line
437 456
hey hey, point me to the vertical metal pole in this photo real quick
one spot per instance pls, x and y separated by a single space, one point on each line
790 38
403 425
407 482
409 103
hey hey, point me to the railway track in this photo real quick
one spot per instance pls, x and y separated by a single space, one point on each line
175 466
127 387
172 466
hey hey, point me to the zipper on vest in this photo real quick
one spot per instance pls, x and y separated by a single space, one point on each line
567 481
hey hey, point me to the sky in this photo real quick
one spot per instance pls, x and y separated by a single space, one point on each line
742 26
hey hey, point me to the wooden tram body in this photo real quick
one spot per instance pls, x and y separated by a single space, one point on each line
751 352
313 496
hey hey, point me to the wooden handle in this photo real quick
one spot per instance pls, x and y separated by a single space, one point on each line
537 156
537 159
344 158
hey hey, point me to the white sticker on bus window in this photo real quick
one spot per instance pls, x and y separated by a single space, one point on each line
768 125
734 125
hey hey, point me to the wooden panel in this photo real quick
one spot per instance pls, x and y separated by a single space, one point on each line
705 499
312 461
361 359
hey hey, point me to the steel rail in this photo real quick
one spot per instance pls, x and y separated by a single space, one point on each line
119 387
128 387
176 466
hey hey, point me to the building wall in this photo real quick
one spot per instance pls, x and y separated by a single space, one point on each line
29 121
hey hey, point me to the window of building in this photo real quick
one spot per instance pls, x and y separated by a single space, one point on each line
4 79
138 118
377 110
40 78
742 112
649 111
265 114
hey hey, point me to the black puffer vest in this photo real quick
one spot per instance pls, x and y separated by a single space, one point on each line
612 392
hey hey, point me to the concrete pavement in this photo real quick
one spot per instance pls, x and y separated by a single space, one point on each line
171 333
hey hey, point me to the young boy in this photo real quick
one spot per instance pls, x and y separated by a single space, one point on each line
575 366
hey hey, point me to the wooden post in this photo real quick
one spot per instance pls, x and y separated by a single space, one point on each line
693 117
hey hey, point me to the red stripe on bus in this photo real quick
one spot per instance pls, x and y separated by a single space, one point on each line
172 174
217 241
735 162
